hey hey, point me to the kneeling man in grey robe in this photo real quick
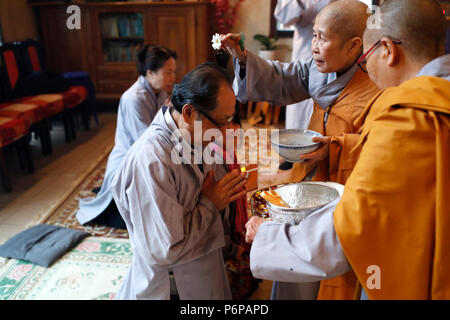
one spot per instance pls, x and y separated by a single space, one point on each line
173 202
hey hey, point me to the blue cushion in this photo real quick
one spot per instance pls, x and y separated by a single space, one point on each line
42 244
76 75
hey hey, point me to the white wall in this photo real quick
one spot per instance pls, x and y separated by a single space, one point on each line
253 18
367 3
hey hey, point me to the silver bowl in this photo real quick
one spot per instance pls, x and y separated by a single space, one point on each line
303 198
292 143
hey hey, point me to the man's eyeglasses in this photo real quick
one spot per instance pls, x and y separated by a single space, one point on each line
363 60
229 120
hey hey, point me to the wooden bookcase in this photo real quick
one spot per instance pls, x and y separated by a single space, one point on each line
104 46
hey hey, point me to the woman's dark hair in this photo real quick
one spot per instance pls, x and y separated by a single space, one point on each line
200 87
151 57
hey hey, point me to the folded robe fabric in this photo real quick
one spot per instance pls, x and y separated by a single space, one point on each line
42 244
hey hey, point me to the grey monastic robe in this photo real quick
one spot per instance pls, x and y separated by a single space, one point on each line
172 226
307 252
137 108
286 83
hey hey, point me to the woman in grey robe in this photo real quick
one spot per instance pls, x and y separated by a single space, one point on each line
137 108
173 201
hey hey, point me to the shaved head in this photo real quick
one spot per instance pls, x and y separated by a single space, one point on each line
338 35
419 24
347 18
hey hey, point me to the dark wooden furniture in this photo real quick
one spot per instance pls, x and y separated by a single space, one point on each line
104 45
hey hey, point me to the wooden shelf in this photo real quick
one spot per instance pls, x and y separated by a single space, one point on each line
185 27
123 38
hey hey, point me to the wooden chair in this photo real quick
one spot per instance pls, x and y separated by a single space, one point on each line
9 74
14 131
72 98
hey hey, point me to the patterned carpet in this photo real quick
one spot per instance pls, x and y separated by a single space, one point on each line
65 215
91 271
241 281
20 280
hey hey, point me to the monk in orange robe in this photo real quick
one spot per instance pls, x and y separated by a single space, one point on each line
335 161
391 223
339 89
394 213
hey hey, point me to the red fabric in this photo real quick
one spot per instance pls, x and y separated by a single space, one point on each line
242 282
34 58
30 113
50 108
11 67
241 216
11 129
6 104
74 96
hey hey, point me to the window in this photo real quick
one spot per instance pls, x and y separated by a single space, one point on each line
276 28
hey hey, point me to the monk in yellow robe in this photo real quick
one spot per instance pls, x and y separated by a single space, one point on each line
392 221
395 211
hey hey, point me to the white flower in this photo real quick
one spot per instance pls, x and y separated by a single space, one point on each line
216 42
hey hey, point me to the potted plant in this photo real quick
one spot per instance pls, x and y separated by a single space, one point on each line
268 46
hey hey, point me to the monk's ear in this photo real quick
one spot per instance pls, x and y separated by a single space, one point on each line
188 113
390 51
356 45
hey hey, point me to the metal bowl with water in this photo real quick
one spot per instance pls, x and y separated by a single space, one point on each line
303 198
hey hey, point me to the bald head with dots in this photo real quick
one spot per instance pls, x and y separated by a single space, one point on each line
418 24
347 18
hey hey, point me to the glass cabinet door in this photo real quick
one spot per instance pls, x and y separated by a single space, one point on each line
121 33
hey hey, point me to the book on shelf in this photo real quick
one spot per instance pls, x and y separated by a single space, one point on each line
122 25
119 52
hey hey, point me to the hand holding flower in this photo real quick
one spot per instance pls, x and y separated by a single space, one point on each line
216 42
232 42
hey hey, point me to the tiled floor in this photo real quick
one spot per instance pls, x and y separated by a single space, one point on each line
55 176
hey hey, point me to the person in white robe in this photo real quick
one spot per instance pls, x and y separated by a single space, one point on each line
137 109
173 201
300 14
